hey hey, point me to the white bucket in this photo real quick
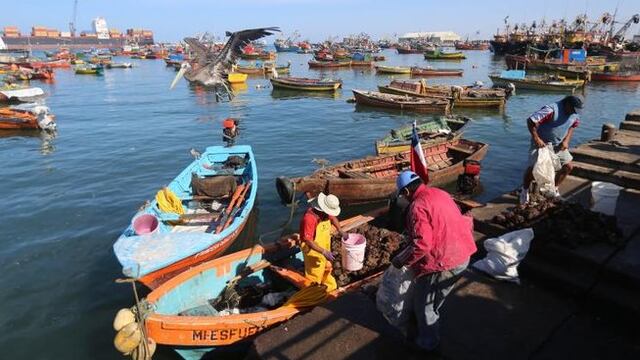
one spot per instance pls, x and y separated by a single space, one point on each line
352 252
604 197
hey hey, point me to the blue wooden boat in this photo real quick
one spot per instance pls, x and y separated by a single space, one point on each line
171 243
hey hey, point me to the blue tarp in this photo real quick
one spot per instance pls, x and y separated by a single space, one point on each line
513 74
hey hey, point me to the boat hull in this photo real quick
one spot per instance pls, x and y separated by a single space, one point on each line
437 105
383 185
392 70
195 335
531 85
615 77
305 84
435 72
155 258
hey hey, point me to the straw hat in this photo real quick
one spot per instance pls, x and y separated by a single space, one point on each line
328 204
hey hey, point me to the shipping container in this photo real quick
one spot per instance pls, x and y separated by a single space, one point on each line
10 29
65 34
12 35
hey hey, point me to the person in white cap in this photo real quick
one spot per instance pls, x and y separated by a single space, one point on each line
315 233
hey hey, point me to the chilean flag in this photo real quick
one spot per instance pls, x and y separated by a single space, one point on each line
418 162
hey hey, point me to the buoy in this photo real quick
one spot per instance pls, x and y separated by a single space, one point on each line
128 338
123 318
140 353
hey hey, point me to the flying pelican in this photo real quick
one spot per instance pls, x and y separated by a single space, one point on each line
210 68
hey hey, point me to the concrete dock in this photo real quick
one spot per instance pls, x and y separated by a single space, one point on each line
581 302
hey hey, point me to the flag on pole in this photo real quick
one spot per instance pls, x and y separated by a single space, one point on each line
418 162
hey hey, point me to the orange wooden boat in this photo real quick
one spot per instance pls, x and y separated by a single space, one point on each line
27 118
180 314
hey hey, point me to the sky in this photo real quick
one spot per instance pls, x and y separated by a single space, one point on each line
317 20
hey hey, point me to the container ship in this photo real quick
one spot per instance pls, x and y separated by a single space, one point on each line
45 38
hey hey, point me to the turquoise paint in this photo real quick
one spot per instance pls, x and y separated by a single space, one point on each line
141 255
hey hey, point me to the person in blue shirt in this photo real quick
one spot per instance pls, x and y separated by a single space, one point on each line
554 124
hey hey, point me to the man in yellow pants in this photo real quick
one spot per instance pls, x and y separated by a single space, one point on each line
315 233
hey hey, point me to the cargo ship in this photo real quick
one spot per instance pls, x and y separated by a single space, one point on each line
44 38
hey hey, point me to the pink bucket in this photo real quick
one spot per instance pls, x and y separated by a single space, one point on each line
145 224
352 252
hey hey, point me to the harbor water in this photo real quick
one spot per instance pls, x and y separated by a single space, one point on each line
67 196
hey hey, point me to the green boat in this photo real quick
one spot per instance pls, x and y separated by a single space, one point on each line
442 129
381 69
437 54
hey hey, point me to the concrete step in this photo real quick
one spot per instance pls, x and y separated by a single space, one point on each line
607 155
592 172
633 116
630 125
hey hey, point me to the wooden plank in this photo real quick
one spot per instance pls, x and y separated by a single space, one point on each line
630 125
607 155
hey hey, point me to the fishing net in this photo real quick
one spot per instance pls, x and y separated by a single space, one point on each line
213 186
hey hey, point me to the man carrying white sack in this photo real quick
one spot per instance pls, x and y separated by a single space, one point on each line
440 245
553 124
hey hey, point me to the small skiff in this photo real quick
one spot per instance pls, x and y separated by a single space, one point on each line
445 128
373 179
297 83
217 192
402 102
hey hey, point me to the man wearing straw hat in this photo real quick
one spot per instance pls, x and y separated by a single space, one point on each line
315 233
440 245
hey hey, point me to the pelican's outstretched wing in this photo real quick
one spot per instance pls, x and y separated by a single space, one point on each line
237 40
202 52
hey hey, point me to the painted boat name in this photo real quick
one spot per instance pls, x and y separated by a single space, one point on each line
226 334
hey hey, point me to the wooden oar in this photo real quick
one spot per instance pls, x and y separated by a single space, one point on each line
235 210
225 212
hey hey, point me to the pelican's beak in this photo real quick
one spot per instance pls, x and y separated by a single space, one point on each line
179 75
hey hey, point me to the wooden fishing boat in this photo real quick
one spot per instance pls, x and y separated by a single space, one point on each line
543 83
89 69
223 182
462 96
27 118
12 93
429 71
297 83
408 50
250 69
373 179
400 102
445 128
382 69
363 63
328 64
280 69
441 55
125 65
180 311
472 45
615 76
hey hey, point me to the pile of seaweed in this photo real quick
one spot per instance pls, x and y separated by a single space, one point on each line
572 225
522 215
382 246
568 224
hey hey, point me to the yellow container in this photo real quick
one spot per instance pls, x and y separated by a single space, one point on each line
237 78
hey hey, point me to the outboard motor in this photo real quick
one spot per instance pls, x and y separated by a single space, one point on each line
469 180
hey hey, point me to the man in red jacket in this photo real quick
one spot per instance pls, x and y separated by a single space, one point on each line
441 243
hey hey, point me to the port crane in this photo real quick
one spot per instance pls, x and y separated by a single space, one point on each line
72 24
619 36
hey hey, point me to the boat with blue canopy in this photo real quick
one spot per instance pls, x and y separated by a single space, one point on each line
192 220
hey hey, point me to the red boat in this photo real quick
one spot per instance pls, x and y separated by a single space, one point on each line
472 46
615 76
